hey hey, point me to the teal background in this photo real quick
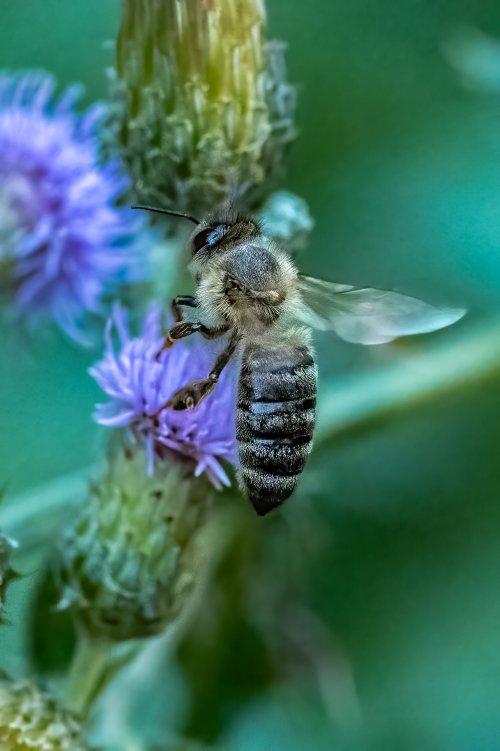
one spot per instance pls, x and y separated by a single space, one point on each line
400 558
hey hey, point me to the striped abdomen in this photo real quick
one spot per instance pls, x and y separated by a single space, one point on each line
275 421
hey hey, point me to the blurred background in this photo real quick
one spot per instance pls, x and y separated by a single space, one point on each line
390 547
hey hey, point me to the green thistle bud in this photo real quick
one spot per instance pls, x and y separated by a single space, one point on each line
31 720
7 574
205 110
128 565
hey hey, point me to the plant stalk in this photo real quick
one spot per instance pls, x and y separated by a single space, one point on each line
358 400
88 675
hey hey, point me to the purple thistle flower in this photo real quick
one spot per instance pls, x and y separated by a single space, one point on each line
67 243
138 384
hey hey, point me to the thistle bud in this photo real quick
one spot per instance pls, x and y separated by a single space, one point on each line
31 720
7 574
204 107
287 219
128 565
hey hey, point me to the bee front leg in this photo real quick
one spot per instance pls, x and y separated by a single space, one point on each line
177 304
182 301
191 395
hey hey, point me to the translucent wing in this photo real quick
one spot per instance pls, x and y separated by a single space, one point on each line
369 316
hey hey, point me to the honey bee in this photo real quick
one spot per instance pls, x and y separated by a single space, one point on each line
250 290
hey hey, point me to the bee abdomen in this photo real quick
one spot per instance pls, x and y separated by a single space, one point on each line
275 421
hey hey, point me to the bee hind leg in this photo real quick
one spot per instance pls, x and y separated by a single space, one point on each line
190 396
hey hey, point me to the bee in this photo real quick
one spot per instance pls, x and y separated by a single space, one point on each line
248 289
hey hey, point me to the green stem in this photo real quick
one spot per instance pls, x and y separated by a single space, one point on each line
43 508
89 673
462 362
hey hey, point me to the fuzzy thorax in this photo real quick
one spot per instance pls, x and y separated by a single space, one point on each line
249 287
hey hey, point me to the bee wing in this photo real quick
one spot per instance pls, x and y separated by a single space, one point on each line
369 316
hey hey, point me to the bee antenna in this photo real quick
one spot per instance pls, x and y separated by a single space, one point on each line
166 211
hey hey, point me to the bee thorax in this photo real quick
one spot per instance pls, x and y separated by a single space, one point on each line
253 268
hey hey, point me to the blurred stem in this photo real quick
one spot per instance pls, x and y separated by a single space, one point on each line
462 362
166 255
43 509
88 675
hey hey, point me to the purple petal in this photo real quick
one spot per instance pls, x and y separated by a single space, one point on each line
73 244
137 385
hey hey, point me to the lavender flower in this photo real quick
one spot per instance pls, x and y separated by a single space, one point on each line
63 241
138 385
130 562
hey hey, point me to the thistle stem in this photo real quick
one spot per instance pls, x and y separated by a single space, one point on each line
37 514
89 673
463 362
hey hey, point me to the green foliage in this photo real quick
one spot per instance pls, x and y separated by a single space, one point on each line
367 617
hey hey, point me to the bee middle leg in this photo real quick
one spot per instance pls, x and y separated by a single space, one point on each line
191 395
186 328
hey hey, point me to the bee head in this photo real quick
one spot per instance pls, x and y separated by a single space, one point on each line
208 238
220 231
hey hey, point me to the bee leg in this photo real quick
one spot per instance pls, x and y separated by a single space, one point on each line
191 395
181 301
177 303
186 328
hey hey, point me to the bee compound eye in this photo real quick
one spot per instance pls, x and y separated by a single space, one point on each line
209 237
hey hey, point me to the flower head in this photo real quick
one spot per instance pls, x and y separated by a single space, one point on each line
204 108
138 384
31 720
63 241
